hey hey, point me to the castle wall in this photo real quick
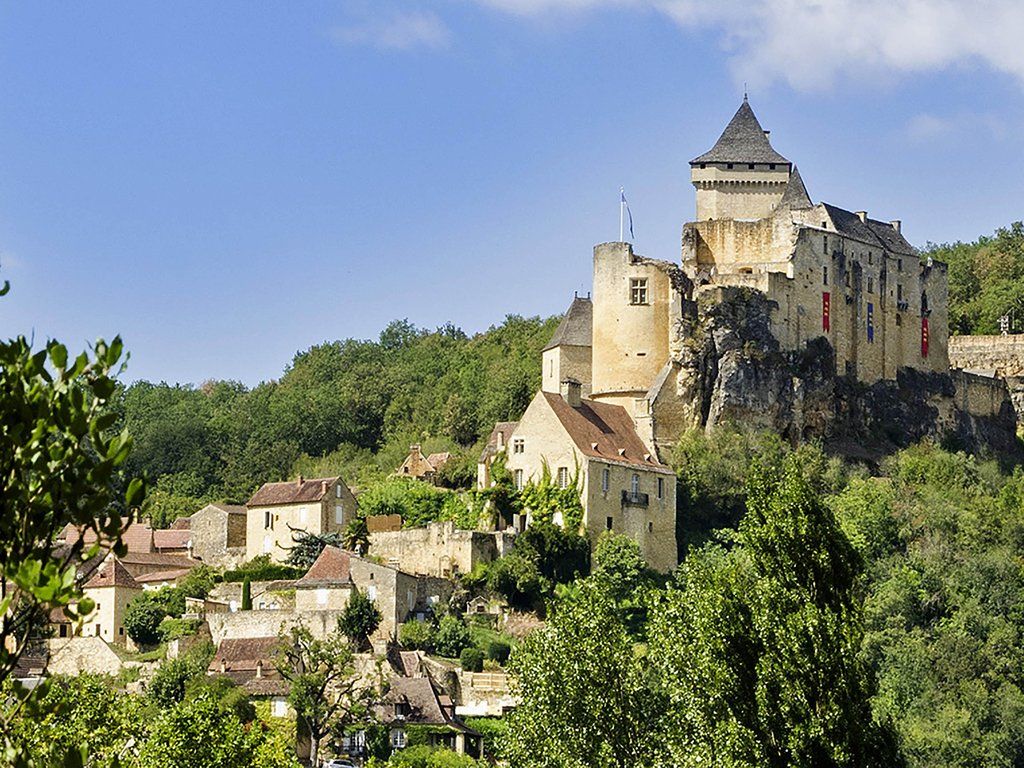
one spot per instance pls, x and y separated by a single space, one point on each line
739 192
436 550
566 361
630 341
999 355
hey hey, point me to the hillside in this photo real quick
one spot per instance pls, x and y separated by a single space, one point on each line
986 280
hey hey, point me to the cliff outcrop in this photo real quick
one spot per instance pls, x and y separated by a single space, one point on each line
731 369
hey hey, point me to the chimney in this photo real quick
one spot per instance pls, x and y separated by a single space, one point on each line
863 216
323 487
259 669
572 392
896 224
300 481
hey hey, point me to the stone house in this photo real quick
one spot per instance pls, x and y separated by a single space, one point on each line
418 701
218 535
623 486
438 549
278 510
495 446
111 588
251 662
420 467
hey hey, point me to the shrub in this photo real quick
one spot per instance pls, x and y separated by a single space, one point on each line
247 594
452 636
173 629
499 651
472 660
261 568
360 618
168 684
417 635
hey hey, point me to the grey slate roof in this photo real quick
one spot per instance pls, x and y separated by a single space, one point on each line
868 231
742 141
795 195
576 327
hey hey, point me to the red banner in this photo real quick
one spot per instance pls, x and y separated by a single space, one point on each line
924 337
826 306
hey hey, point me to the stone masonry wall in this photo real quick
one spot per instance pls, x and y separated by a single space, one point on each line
997 355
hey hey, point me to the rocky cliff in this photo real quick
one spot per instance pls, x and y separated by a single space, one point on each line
731 370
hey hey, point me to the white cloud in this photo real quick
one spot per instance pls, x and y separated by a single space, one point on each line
811 43
925 127
395 30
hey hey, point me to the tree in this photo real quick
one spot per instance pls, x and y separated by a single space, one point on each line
142 618
452 636
619 566
585 698
324 690
359 619
471 659
758 648
246 594
173 676
60 465
417 635
356 537
307 547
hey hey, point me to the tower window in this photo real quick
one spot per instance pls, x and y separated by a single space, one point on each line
728 166
771 166
608 523
703 166
606 477
750 166
871 285
899 264
899 292
638 290
636 484
824 275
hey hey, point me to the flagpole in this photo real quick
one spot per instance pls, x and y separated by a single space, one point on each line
622 213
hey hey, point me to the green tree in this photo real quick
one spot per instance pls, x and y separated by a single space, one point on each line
359 619
60 464
767 640
142 618
246 594
585 697
356 537
417 635
173 676
452 636
306 547
324 689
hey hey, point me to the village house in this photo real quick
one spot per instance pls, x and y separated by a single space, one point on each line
438 549
420 467
419 702
111 588
278 510
494 447
218 535
251 662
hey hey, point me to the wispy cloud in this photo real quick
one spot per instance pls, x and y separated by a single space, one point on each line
925 127
810 44
395 30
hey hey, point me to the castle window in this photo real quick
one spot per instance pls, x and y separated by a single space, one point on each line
519 479
518 445
750 166
638 290
846 279
661 488
871 285
650 527
899 264
771 166
563 477
729 166
824 241
703 166
636 484
899 319
824 275
606 477
871 258
899 292
608 523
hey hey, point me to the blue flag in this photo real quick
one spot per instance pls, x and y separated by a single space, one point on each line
622 194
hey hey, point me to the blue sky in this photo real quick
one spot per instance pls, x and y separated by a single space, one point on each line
226 183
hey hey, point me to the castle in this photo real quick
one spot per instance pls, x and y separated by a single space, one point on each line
618 385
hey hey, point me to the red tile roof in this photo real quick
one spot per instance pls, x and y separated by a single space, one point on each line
240 654
158 576
333 566
112 574
292 492
604 431
181 524
171 539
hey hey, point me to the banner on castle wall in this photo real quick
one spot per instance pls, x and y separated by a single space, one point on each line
871 323
826 305
924 337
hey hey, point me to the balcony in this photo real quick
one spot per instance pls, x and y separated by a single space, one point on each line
630 499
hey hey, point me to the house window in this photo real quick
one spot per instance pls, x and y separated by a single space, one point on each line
398 738
519 479
63 630
268 519
650 527
339 514
321 597
267 545
661 487
606 478
638 290
371 593
518 445
563 477
280 708
337 491
636 484
303 512
824 275
120 630
608 523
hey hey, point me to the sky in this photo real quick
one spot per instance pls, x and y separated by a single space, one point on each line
226 183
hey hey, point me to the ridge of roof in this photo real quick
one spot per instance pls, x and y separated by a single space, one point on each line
291 491
742 141
872 231
576 327
112 574
332 566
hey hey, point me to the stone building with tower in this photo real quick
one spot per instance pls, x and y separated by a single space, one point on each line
629 369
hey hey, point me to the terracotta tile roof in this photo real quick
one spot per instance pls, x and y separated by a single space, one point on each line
505 429
576 327
426 705
604 431
181 524
137 537
171 539
112 574
292 491
438 460
158 559
242 654
332 567
158 576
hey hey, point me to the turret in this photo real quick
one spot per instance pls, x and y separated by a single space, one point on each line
742 176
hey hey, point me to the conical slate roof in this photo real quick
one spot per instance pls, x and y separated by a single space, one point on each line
576 327
795 195
742 141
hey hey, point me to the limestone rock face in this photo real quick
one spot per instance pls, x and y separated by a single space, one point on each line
732 370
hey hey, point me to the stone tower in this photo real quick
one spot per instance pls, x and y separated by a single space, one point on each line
567 355
741 177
